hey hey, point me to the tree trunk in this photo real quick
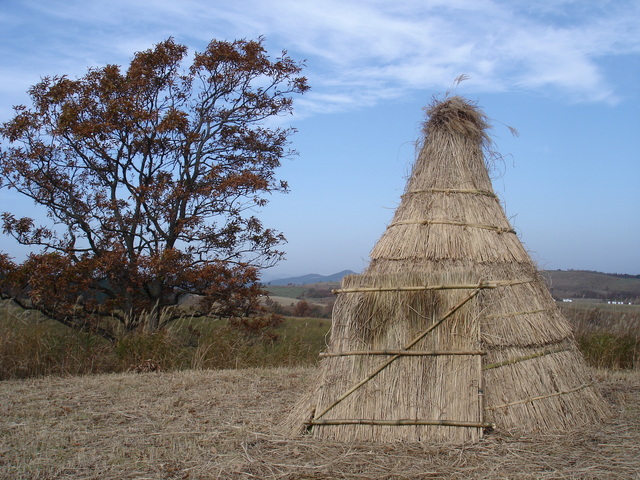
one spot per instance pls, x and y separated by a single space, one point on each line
153 318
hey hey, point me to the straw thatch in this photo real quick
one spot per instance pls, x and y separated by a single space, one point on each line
450 330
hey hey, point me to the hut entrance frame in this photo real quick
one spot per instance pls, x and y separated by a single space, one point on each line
468 387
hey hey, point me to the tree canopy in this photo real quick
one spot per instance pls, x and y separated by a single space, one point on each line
151 178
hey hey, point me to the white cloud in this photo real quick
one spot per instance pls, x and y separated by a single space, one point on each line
395 47
358 52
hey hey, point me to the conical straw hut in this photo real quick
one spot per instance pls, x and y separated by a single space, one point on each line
451 330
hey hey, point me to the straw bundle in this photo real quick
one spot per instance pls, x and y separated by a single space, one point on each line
450 330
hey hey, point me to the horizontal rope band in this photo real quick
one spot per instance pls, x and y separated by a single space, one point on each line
542 397
403 422
434 353
514 314
456 224
486 193
523 358
417 288
412 288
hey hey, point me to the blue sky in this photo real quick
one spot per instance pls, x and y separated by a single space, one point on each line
564 73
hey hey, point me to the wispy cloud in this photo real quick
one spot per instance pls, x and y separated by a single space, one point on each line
358 53
378 50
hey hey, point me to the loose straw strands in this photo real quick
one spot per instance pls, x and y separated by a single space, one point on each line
458 118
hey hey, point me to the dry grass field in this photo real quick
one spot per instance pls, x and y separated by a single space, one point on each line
223 425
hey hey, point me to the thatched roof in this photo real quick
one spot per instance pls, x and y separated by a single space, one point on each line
450 330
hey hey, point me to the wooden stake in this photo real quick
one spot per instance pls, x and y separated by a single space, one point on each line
434 353
394 423
418 288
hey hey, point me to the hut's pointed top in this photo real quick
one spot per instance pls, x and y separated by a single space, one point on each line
457 115
457 151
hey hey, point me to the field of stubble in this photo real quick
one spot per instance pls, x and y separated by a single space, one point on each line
223 425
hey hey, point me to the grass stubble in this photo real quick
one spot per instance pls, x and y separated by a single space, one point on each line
201 423
223 424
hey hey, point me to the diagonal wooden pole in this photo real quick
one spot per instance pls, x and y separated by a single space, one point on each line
392 359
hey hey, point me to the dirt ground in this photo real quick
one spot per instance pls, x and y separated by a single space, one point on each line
222 425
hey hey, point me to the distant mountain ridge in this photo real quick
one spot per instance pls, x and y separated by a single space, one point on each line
562 283
311 278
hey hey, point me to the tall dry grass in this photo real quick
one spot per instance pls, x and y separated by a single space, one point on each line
608 337
33 346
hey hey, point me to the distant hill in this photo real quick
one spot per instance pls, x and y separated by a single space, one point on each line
588 284
562 283
311 278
